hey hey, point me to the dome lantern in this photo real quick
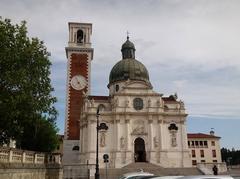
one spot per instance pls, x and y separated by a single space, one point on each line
128 49
128 68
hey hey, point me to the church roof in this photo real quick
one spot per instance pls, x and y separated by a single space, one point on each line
201 135
128 67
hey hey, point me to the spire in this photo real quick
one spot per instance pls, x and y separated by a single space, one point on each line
128 49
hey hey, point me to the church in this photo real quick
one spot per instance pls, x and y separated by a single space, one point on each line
142 124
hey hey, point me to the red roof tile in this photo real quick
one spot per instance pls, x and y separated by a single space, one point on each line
201 135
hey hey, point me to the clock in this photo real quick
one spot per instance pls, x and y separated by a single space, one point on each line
138 103
78 82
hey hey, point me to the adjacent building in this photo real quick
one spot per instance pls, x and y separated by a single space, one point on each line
204 148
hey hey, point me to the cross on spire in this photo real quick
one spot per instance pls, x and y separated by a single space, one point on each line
128 35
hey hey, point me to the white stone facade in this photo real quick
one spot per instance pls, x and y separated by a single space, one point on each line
163 146
143 126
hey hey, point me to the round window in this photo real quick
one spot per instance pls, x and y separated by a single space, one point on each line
138 103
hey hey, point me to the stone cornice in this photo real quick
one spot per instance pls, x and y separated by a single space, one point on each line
135 94
137 113
78 49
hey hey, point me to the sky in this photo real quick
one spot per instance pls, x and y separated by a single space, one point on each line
189 47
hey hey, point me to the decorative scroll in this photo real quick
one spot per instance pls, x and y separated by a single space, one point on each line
138 128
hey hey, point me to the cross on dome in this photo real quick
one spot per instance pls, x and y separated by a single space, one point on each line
128 35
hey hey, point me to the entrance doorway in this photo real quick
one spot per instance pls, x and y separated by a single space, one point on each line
139 150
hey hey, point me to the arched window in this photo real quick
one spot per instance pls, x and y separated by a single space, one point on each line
76 147
80 36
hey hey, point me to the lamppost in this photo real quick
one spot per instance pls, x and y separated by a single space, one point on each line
99 127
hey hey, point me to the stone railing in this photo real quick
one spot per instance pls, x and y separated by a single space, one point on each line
11 155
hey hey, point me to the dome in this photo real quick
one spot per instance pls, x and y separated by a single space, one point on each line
128 67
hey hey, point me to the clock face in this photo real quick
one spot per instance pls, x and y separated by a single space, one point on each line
138 103
78 82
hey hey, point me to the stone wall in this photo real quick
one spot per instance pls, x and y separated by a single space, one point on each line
30 171
20 164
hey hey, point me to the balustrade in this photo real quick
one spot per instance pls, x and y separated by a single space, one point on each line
11 155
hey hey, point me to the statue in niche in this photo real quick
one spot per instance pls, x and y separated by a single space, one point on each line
155 141
173 139
158 103
149 102
102 139
122 142
92 103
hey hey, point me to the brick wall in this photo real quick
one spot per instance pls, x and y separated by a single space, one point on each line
78 65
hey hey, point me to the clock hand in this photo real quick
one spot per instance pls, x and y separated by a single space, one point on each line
78 79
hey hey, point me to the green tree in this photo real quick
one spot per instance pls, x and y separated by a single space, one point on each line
27 114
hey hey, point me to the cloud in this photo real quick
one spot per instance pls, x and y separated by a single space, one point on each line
189 47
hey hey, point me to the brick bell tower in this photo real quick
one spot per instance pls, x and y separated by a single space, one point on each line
79 54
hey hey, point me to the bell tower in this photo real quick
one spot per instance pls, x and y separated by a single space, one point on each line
79 55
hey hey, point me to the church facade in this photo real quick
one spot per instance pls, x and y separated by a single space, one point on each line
143 125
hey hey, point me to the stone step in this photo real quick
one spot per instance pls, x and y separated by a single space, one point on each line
148 167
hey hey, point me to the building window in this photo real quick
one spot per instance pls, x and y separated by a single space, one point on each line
213 143
188 143
214 161
192 144
117 88
80 36
202 153
193 153
173 131
203 161
138 103
201 143
196 143
205 143
214 153
194 162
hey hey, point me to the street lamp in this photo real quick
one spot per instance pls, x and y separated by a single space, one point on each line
99 127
